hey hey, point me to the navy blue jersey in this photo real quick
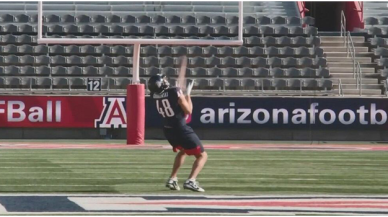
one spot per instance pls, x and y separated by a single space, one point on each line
168 106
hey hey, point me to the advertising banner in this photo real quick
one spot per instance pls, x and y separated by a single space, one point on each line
62 111
208 112
302 113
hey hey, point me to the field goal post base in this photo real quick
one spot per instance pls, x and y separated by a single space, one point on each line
135 104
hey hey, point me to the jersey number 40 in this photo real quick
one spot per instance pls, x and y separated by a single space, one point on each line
164 108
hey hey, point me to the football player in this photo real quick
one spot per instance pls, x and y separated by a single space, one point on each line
173 105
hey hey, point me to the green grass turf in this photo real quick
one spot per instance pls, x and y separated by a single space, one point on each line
239 172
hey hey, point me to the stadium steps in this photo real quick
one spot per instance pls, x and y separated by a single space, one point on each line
338 41
355 39
342 54
350 80
349 59
354 86
356 92
349 64
342 49
349 74
341 66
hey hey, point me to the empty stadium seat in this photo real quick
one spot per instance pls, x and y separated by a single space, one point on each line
59 71
26 59
225 51
279 84
77 83
25 49
27 71
27 82
13 82
371 21
23 39
52 18
215 72
276 72
62 83
294 84
75 71
9 49
293 72
310 84
152 71
122 71
233 83
106 60
293 21
375 31
169 71
122 83
45 83
378 42
90 71
381 51
326 84
107 83
12 70
3 82
11 59
382 62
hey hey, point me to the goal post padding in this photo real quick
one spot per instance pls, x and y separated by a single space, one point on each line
135 114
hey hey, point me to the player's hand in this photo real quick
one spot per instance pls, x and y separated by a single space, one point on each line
189 88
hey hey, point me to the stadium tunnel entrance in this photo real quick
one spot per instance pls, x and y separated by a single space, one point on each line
327 14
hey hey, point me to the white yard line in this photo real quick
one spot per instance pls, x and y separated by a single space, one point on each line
2 209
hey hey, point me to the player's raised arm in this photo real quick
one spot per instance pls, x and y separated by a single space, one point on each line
186 104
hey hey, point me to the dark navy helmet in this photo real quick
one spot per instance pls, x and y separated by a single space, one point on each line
158 83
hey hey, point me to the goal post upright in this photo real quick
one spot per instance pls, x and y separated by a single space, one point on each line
136 64
136 92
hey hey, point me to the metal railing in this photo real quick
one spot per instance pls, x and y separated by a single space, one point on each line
343 24
351 50
359 78
357 72
340 89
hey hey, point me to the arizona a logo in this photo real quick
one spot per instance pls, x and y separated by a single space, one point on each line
113 115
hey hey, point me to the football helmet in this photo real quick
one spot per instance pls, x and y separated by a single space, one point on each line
158 83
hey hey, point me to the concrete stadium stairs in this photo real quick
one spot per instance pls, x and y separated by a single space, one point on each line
341 66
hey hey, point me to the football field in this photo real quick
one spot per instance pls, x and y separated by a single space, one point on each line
278 170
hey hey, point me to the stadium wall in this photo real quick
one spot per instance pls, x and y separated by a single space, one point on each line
237 118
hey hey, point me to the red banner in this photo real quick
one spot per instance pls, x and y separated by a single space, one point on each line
63 111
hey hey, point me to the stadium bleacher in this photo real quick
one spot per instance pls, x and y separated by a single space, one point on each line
281 51
376 27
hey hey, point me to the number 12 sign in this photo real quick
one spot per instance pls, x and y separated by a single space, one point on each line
94 84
